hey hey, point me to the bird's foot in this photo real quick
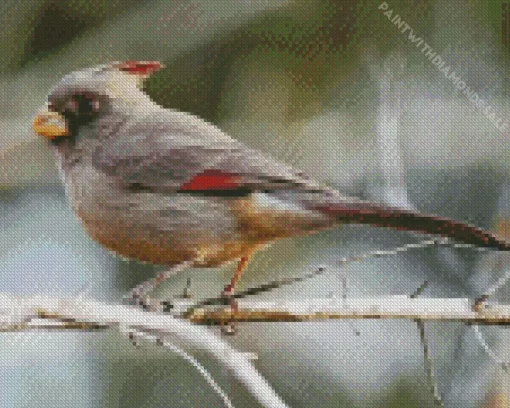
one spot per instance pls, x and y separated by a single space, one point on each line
139 295
227 294
143 301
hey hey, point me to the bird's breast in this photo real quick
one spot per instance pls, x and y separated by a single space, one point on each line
156 227
174 227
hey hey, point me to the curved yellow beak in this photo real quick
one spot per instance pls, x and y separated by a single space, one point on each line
49 124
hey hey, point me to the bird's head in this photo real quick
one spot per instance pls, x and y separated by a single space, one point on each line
83 96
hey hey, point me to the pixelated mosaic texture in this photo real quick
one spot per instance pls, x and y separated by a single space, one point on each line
313 84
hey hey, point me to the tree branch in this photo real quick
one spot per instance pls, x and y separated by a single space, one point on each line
21 313
43 313
389 307
18 313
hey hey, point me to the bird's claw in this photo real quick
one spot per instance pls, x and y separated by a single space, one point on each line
227 295
228 329
144 302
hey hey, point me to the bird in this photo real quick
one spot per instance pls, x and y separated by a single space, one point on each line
167 187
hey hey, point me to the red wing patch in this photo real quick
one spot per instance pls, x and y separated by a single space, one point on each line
212 180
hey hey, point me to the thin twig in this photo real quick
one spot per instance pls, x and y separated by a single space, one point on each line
190 359
277 284
479 302
492 290
429 367
419 290
492 355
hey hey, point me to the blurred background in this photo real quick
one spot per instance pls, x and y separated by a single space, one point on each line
331 87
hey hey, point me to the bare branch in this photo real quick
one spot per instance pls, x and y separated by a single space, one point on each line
390 307
17 313
193 361
41 313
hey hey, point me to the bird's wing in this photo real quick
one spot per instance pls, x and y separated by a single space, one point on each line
168 151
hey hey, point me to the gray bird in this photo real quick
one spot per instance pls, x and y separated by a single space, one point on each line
166 187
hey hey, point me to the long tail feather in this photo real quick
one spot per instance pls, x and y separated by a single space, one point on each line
388 217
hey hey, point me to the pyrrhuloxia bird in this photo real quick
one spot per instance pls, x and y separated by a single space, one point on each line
166 187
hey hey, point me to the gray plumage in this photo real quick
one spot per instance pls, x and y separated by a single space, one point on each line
130 169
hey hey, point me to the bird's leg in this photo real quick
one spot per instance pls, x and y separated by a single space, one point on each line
229 290
139 294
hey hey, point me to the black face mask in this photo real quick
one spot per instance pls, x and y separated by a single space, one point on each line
79 111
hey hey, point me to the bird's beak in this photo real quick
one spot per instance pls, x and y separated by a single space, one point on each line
49 124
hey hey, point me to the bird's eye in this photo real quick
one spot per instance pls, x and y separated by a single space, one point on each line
83 105
71 105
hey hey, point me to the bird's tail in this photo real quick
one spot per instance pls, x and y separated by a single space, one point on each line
360 212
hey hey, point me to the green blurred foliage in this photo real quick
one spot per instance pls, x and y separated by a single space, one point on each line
36 29
316 44
405 393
